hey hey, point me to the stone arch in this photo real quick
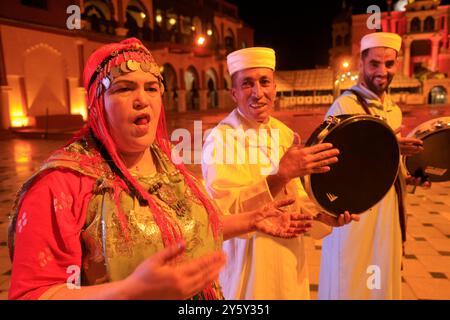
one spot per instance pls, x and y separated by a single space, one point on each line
99 15
170 97
437 95
212 88
415 25
45 81
230 41
137 20
428 25
192 85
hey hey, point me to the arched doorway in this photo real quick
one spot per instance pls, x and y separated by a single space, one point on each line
229 41
99 16
415 25
211 86
45 81
137 20
170 97
191 81
437 95
428 25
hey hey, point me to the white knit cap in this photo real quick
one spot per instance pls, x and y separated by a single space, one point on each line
255 57
381 39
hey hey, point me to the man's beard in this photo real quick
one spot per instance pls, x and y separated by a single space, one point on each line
378 90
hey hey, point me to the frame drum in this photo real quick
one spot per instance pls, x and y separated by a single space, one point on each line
434 162
368 164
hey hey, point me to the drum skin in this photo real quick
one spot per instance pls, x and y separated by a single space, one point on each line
367 168
434 162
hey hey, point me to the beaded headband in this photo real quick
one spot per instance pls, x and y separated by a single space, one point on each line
107 71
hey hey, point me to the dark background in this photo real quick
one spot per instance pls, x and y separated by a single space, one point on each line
299 30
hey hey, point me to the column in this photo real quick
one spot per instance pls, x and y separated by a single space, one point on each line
181 100
121 31
223 98
5 119
434 53
203 96
406 57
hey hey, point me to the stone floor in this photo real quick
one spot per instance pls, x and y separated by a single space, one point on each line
426 271
426 265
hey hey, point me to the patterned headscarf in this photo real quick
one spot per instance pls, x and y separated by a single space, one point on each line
106 63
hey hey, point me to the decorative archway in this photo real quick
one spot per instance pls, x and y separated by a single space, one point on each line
137 20
229 41
428 25
170 97
437 95
211 87
45 81
99 15
192 82
415 25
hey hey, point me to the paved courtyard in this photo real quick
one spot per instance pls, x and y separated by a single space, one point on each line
426 271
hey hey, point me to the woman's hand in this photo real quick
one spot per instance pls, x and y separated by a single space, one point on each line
165 276
272 220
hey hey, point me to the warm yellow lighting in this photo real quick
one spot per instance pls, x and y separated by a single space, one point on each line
143 15
345 64
19 121
172 21
209 32
158 18
201 40
22 153
349 73
80 109
193 28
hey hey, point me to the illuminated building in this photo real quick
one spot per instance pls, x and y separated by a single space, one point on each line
42 58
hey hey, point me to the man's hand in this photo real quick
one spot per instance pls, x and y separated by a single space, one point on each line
272 220
424 183
410 146
340 221
300 161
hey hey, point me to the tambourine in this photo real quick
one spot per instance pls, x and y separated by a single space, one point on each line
368 164
433 163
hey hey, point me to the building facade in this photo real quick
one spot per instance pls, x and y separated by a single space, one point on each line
43 49
424 59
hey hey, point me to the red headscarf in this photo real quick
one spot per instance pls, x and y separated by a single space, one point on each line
97 67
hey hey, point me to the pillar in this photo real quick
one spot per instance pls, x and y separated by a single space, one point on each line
407 57
5 119
203 95
181 100
434 53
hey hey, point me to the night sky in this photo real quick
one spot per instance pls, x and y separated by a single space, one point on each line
300 35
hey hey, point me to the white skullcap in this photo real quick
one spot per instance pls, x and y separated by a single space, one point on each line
381 39
255 57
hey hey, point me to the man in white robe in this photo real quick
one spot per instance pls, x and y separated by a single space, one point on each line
249 159
363 260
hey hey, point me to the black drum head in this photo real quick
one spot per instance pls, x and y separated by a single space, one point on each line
434 161
367 168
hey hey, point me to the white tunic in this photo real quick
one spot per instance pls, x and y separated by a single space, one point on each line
258 266
362 260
